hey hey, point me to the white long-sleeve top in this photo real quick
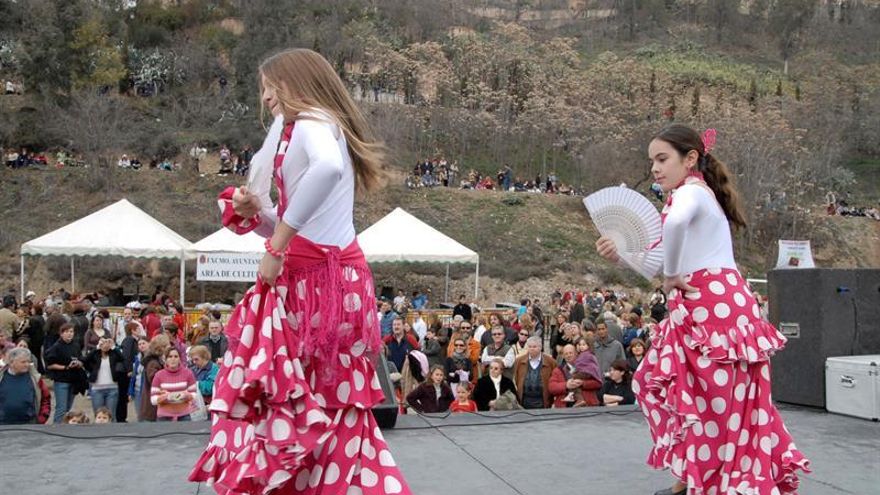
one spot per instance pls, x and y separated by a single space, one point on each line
319 181
696 233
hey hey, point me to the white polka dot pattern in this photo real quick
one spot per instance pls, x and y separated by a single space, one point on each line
720 422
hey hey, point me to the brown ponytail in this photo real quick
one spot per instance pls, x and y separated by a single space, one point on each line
718 176
720 180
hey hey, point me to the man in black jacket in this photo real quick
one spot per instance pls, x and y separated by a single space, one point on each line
463 309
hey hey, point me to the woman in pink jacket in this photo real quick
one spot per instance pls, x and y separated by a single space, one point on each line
173 389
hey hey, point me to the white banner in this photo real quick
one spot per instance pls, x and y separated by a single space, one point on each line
795 254
228 267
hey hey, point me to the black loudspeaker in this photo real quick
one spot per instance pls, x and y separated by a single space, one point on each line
386 412
824 313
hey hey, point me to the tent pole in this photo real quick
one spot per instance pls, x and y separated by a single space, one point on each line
446 293
21 296
477 282
182 281
72 278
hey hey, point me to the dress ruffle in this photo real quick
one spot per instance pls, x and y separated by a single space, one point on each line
704 387
285 426
739 334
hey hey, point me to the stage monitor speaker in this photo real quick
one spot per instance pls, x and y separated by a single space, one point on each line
386 412
824 313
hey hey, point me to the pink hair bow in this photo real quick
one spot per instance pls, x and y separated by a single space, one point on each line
709 140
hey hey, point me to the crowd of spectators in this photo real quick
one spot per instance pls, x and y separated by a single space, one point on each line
579 350
440 172
65 345
840 206
231 162
21 158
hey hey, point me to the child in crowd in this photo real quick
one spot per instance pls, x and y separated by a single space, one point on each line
75 418
463 402
102 416
585 368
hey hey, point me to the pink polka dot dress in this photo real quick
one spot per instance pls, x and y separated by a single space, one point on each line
296 385
704 386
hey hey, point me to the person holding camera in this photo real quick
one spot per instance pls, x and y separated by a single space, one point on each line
65 369
106 367
173 389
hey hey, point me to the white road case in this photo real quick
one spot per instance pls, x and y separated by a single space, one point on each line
852 386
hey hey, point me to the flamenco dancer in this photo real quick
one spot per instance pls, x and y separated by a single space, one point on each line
292 399
704 385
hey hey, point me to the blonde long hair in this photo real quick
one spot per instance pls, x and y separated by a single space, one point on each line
303 80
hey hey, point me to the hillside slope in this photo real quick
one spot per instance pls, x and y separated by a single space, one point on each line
528 243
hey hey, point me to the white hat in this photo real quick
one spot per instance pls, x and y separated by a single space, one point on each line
29 294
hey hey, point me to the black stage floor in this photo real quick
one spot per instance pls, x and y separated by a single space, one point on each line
550 452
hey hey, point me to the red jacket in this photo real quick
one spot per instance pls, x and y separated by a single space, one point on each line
45 402
558 389
152 325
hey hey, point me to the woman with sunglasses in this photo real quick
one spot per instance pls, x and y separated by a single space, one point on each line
458 364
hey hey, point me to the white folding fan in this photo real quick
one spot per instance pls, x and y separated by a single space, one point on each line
633 223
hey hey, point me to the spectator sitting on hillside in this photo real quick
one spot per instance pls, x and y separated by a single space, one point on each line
11 158
124 162
485 184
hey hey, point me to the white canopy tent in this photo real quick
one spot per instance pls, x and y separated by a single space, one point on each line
121 229
227 241
399 236
225 256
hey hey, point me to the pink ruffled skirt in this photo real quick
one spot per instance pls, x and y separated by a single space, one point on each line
297 385
704 387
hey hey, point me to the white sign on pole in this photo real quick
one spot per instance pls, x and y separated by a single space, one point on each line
228 267
795 254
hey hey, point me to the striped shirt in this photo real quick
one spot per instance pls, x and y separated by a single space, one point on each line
172 383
